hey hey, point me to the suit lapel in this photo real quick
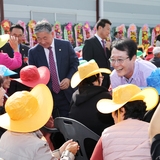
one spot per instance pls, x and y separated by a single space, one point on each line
42 56
98 43
58 53
23 50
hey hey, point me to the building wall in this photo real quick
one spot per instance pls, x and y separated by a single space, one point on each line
138 12
53 10
119 12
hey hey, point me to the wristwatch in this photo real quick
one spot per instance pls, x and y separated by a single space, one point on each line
68 154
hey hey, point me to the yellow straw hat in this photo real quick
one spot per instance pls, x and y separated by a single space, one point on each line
3 39
85 70
127 93
27 111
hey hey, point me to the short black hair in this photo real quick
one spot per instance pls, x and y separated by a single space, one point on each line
135 110
102 23
140 48
16 26
158 38
89 81
127 45
115 33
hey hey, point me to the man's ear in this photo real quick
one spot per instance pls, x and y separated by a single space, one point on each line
53 34
134 58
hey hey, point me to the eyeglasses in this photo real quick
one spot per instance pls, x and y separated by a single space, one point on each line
119 60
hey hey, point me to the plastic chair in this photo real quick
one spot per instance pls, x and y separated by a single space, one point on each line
56 136
72 129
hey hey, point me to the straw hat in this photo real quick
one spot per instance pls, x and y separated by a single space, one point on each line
27 111
4 71
31 75
127 93
3 39
85 70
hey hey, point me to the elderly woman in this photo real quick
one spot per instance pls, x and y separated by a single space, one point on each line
6 73
89 79
128 138
26 113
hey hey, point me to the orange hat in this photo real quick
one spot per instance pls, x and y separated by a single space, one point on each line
27 111
128 93
86 69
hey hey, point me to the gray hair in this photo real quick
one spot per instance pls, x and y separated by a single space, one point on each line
43 26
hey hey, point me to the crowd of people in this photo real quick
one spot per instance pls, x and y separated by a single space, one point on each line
113 89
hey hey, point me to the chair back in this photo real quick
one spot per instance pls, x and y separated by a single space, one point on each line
72 129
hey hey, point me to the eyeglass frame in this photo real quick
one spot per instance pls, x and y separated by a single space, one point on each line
119 60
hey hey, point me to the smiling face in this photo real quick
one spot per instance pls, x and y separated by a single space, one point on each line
124 66
45 38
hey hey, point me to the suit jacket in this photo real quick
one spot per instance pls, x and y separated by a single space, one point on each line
67 61
94 50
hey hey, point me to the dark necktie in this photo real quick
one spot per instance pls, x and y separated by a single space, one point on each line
54 77
104 46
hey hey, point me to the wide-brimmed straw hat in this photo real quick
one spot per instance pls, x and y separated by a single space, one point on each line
3 39
85 70
4 71
31 75
27 111
128 93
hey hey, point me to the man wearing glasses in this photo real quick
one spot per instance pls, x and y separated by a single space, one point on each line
127 68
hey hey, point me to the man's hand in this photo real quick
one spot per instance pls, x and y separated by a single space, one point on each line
108 45
64 84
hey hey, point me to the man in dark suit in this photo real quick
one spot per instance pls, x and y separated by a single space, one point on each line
116 36
66 63
16 30
94 48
